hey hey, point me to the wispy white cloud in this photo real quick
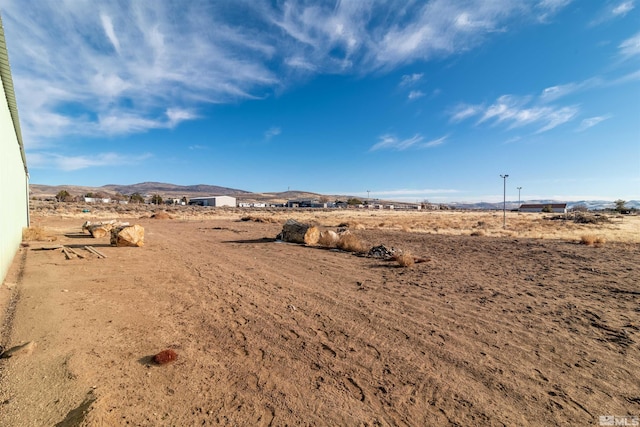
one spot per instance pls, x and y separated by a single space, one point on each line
613 11
392 142
623 8
271 132
47 160
415 94
464 111
630 46
547 8
592 121
515 112
410 79
408 192
553 93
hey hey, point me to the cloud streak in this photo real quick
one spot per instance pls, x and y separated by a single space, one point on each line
592 121
515 112
392 142
47 160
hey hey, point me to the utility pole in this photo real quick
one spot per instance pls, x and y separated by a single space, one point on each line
504 200
519 188
367 197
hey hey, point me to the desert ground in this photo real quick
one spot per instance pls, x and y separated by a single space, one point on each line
537 324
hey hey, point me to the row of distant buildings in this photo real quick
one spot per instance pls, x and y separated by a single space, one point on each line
230 201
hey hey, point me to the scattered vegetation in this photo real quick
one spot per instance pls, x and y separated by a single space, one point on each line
255 218
36 233
136 198
156 199
405 259
621 205
592 240
64 196
351 243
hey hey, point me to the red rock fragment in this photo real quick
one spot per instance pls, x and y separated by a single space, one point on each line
165 356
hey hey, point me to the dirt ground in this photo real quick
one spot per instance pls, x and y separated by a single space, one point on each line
490 330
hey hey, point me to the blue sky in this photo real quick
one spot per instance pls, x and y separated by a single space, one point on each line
409 100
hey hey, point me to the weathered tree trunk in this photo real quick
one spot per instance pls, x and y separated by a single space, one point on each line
127 236
296 232
98 230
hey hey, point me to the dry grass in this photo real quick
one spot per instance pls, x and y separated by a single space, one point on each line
592 240
519 225
405 259
36 233
161 215
351 243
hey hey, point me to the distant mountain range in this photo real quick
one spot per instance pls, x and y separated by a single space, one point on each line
173 190
590 204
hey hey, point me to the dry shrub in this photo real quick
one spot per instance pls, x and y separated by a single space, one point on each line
592 240
161 215
405 259
259 219
478 233
350 243
36 233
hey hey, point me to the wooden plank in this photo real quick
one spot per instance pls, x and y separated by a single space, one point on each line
74 252
67 254
95 251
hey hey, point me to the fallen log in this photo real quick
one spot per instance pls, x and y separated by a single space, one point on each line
296 232
127 236
97 231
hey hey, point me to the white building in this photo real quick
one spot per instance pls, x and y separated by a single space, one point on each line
215 201
14 175
544 207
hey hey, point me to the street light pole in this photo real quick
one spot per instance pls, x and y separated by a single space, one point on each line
504 200
367 197
519 188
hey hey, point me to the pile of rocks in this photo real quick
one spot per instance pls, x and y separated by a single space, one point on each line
382 252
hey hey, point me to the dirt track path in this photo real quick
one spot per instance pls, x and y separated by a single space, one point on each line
487 332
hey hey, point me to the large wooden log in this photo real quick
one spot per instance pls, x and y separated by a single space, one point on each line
128 236
296 232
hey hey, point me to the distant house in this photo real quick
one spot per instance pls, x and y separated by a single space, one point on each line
97 200
544 207
214 201
306 203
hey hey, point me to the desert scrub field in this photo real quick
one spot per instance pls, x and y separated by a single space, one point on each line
482 224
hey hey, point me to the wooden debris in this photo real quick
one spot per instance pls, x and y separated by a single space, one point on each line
95 251
75 252
296 232
67 254
102 228
48 248
128 236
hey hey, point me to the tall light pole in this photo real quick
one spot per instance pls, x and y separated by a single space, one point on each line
519 188
504 200
367 197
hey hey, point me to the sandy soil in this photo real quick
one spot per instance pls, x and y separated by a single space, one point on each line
489 331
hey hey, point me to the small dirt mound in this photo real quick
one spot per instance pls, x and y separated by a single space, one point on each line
161 215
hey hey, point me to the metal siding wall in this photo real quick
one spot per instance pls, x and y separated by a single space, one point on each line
13 189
